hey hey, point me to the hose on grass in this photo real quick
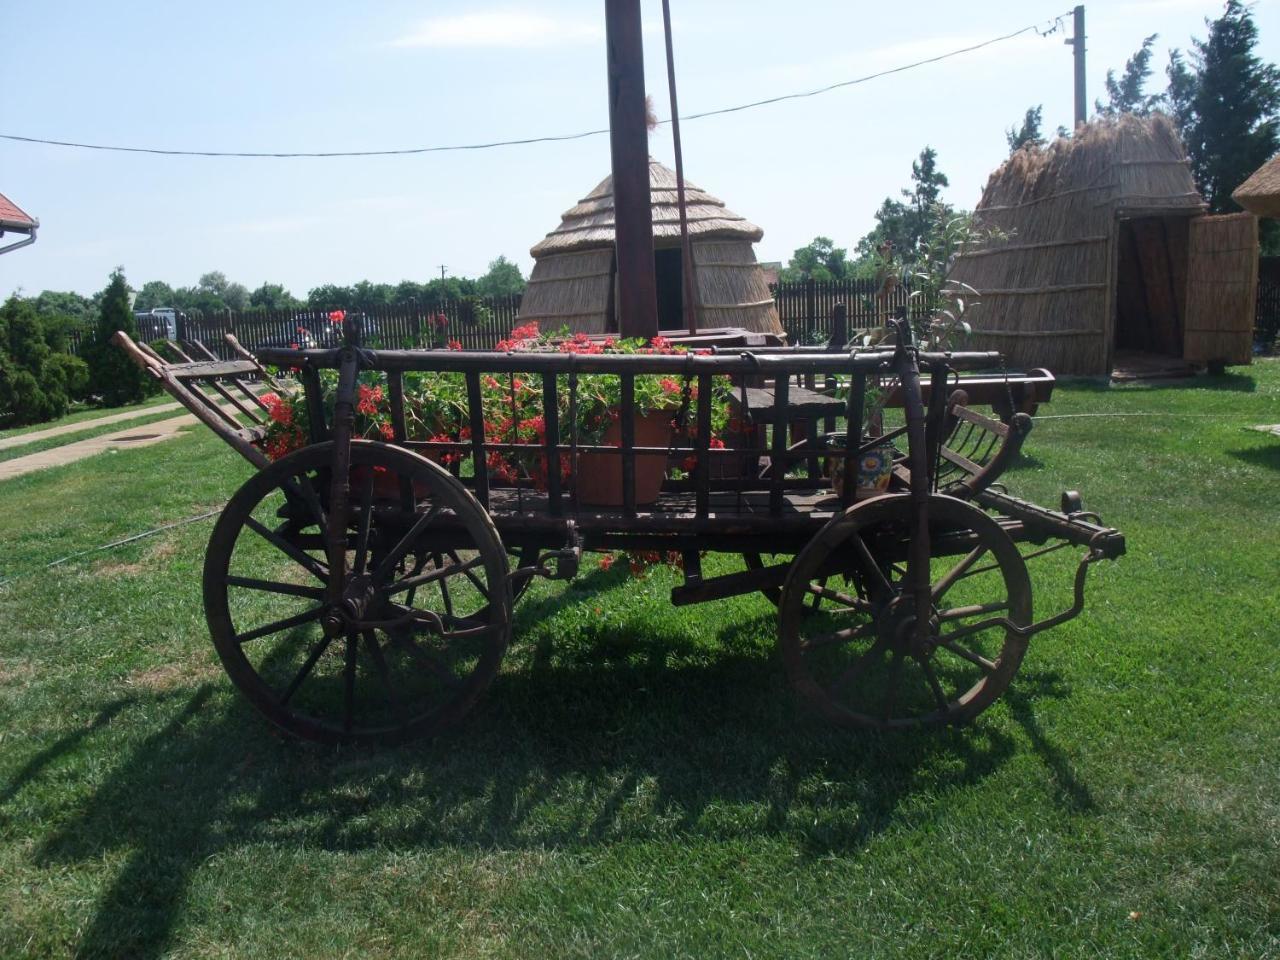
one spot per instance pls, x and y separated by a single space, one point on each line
113 545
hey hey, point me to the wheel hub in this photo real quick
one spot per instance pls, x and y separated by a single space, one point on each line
898 627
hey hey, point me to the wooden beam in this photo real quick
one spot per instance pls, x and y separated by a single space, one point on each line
629 147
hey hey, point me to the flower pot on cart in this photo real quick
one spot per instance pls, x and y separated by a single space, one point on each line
600 474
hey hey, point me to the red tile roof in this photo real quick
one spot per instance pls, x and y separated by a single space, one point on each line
12 216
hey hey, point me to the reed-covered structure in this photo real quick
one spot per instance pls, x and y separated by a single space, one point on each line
1102 245
573 282
1260 194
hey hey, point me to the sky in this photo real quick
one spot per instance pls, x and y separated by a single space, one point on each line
322 75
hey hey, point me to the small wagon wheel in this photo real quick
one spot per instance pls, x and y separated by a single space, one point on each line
397 645
860 660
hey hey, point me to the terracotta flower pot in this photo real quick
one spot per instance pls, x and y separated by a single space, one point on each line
386 485
600 474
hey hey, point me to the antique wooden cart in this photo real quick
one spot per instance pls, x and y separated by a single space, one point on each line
363 590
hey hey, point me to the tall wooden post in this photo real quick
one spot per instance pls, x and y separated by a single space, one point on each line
1077 48
688 278
629 146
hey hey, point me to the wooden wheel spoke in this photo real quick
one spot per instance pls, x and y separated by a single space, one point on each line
837 637
466 568
958 571
400 549
969 629
972 656
851 603
444 586
972 610
870 567
422 579
297 620
384 675
305 492
308 665
930 675
366 521
303 559
858 665
817 594
272 586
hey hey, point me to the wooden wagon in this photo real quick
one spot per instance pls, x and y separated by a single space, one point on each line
364 590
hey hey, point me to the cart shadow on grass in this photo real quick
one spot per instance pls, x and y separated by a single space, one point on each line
640 739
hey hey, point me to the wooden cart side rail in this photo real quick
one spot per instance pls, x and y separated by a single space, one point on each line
182 381
746 362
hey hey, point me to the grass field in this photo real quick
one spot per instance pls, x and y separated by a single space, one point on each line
640 781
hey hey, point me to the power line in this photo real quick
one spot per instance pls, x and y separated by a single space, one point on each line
1039 29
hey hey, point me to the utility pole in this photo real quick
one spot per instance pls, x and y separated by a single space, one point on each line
1077 44
442 266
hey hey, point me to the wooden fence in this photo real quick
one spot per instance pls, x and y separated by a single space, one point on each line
803 307
476 324
1266 328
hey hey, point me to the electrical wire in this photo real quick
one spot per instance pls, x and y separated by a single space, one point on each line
1054 24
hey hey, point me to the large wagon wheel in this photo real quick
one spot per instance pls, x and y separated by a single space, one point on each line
859 658
420 616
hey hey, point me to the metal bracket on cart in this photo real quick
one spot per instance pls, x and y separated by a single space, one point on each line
559 564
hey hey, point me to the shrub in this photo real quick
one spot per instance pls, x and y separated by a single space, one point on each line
74 373
113 377
33 379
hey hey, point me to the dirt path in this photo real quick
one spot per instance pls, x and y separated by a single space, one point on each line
143 436
23 438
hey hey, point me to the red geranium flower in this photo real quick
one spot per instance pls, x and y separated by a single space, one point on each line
337 316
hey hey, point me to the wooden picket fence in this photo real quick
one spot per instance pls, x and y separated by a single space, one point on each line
805 309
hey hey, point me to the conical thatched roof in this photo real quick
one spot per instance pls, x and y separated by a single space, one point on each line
1046 287
1260 194
590 223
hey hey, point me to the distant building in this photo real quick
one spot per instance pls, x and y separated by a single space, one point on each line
574 278
14 220
1102 247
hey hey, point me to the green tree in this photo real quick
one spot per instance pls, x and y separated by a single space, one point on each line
819 260
154 293
902 223
330 297
1125 95
57 303
1226 104
503 279
112 375
34 380
1028 133
273 296
366 295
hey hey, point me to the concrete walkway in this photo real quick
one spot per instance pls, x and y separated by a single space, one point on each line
35 436
143 436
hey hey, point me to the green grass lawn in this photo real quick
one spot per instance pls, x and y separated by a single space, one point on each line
640 781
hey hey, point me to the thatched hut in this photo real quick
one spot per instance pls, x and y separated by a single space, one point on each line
1260 194
573 282
1106 248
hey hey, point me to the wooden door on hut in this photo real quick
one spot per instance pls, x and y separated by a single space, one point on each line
668 267
1151 284
1222 284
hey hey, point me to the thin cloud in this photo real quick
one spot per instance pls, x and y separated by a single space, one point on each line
500 28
